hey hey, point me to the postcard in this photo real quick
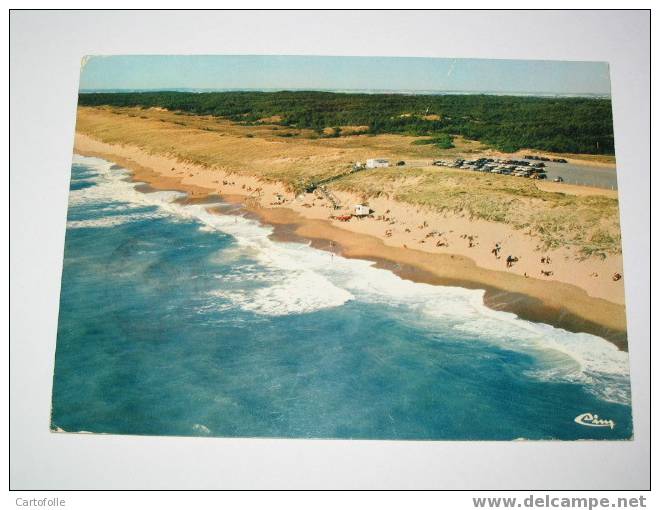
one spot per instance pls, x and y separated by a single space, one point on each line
343 247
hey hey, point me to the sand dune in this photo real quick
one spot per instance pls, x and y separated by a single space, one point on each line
416 242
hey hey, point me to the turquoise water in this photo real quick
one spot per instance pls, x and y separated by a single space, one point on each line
175 321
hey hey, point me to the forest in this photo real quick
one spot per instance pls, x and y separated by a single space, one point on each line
579 125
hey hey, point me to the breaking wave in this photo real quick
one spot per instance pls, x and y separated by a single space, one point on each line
292 278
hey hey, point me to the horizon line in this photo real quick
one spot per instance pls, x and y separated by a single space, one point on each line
200 90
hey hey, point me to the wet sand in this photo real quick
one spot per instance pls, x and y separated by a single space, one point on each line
552 302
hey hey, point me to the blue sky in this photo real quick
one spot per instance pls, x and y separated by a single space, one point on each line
344 73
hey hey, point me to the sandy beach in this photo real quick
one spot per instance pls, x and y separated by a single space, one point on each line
416 243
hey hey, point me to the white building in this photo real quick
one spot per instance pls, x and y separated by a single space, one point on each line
361 210
377 163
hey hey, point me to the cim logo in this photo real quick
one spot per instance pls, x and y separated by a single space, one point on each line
592 420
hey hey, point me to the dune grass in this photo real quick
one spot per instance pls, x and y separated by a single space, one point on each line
590 223
298 156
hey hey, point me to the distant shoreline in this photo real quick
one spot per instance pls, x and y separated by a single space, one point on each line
548 301
512 93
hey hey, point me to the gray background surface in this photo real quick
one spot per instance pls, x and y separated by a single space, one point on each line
45 53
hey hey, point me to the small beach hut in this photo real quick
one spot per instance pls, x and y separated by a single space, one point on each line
361 210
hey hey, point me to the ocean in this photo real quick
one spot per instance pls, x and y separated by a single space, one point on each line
178 321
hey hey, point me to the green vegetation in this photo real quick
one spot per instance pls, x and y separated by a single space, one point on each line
590 223
507 123
442 141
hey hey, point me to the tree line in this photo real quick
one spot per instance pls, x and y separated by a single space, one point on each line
508 123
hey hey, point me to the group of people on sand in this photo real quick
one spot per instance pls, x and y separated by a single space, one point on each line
496 251
546 260
615 277
510 259
470 239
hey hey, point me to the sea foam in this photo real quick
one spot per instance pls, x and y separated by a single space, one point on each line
296 278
